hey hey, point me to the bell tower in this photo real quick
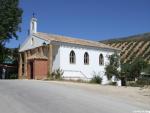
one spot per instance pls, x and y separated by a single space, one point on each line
33 25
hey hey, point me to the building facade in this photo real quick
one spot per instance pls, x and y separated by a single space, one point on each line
42 53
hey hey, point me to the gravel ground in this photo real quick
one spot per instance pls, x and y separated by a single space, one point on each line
32 96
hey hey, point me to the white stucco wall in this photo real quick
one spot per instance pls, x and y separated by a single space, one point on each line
56 57
79 69
28 45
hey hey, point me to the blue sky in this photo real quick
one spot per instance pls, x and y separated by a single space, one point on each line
87 19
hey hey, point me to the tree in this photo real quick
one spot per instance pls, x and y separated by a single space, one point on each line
114 60
111 71
112 68
133 70
125 70
137 67
3 53
10 19
147 69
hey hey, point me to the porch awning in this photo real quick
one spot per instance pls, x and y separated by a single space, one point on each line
37 56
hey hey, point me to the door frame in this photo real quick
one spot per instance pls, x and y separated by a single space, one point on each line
31 69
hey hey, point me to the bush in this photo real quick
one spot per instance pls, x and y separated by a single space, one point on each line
13 76
113 83
56 74
48 76
131 83
142 82
133 71
80 81
96 79
147 69
139 83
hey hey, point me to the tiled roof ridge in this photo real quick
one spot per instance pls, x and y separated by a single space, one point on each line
37 56
90 42
55 35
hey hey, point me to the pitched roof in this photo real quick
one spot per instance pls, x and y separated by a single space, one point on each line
37 56
65 39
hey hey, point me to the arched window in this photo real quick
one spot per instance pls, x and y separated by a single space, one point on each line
101 59
72 57
86 58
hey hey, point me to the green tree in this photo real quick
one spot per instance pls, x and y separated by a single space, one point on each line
112 68
4 52
147 69
126 71
15 56
137 67
10 19
133 70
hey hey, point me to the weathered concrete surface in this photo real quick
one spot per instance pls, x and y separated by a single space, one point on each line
29 96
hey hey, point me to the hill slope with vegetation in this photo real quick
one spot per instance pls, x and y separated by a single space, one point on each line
132 47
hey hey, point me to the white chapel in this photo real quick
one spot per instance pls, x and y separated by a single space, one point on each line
42 53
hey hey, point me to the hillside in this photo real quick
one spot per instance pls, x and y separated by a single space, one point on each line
132 47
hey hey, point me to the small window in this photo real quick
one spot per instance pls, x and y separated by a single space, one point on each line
72 57
101 59
32 41
86 58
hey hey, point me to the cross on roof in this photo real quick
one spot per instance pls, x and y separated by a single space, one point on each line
33 14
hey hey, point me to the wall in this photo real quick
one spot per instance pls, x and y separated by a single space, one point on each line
79 70
56 57
28 45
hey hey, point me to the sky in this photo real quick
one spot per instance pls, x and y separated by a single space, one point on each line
87 19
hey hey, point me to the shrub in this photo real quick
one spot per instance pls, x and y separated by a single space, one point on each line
80 81
48 76
96 79
113 83
137 66
139 83
56 74
131 83
133 70
147 69
13 76
142 82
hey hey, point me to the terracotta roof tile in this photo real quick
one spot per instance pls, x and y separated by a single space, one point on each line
65 39
37 56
